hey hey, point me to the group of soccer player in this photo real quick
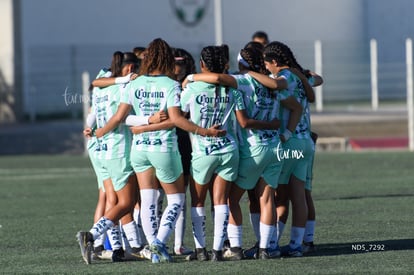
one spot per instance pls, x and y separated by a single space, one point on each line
156 126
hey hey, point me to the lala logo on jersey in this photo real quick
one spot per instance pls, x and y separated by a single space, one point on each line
189 12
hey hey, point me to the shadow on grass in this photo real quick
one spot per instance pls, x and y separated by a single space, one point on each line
363 247
376 196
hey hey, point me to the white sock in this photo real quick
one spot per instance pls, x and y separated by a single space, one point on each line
124 240
198 218
255 222
137 218
131 234
296 236
235 233
99 241
160 202
114 236
309 231
170 215
149 213
279 230
136 215
266 233
100 227
221 220
180 227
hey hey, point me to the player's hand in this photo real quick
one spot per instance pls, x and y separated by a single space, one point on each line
133 76
87 132
99 133
158 117
136 130
285 136
184 83
215 131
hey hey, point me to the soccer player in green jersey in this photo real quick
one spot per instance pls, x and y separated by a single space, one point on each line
259 167
297 143
112 151
210 105
155 154
308 79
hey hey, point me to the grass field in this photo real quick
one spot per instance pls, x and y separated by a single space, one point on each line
362 200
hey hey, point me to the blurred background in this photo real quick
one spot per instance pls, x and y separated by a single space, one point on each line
360 48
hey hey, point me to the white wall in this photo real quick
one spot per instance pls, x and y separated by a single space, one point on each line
391 23
294 20
57 22
62 38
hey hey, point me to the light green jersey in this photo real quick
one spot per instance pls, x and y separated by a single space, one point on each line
207 109
92 142
295 89
117 143
148 95
261 104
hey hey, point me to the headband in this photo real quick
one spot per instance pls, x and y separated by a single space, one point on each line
242 61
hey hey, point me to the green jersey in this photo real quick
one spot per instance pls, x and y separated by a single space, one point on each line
261 104
210 105
295 89
117 143
92 142
148 95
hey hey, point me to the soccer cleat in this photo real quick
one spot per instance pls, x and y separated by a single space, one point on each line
249 253
200 254
233 254
106 255
267 253
274 252
118 255
216 255
85 240
146 253
155 259
135 253
160 249
182 250
226 244
97 252
308 247
262 254
287 251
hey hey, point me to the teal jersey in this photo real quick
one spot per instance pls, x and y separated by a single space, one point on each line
117 143
311 81
92 142
207 109
295 89
148 95
261 104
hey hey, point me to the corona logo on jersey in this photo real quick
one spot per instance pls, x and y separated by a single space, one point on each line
189 12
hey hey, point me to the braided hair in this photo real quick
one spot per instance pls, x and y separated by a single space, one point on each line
159 57
214 59
254 58
283 55
254 44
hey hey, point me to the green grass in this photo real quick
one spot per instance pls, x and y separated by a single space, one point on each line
361 199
